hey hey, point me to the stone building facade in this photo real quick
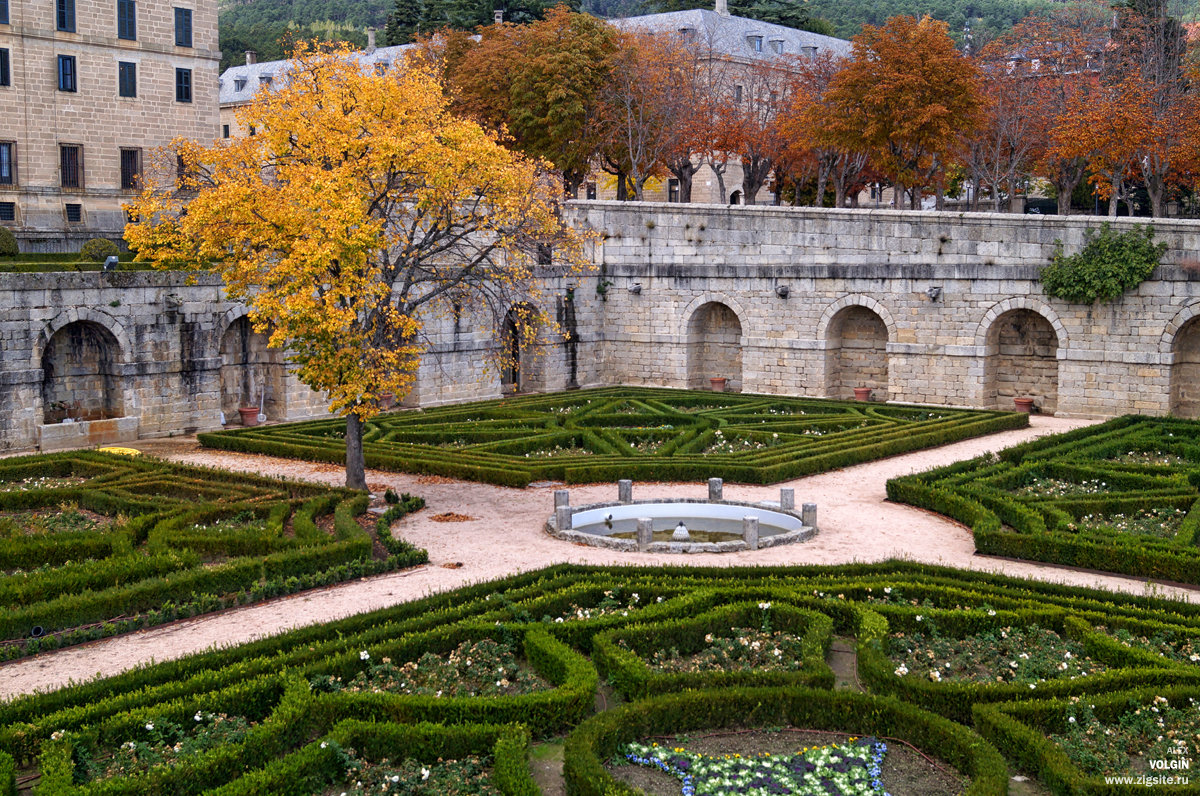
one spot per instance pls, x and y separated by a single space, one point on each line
89 89
928 308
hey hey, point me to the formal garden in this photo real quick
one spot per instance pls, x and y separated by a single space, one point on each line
1123 497
645 434
652 680
896 678
95 544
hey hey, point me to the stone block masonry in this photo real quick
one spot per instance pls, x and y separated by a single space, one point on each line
928 308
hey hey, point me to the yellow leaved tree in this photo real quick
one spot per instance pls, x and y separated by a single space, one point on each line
361 209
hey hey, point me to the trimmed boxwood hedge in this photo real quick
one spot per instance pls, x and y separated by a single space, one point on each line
267 681
984 494
514 441
600 737
620 655
159 559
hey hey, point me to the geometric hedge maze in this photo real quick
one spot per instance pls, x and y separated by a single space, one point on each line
574 626
94 544
598 435
1123 496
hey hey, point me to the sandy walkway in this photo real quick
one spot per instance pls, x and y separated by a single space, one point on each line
505 537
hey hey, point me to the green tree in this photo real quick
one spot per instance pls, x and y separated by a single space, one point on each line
404 22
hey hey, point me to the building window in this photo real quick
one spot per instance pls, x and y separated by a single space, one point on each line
126 79
239 83
264 80
8 211
183 27
777 46
3 12
64 15
74 213
8 163
545 255
224 131
672 190
591 190
70 158
5 69
127 19
66 73
737 93
183 85
755 43
131 169
252 131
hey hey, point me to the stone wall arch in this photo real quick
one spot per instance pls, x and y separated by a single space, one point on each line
855 300
1021 359
90 315
1181 340
856 356
82 375
714 346
518 365
1020 303
708 297
252 373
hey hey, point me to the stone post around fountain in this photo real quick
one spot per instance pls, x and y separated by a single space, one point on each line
562 497
750 531
787 499
562 518
625 491
808 515
645 533
715 488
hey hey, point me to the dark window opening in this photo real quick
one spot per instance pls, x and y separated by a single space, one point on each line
545 256
183 27
131 169
5 69
74 213
183 85
66 73
3 12
8 211
126 79
672 190
591 190
127 19
224 131
64 15
8 163
70 158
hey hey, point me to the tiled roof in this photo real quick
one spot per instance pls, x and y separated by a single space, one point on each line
732 35
239 83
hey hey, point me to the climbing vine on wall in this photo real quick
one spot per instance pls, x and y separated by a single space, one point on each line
1109 264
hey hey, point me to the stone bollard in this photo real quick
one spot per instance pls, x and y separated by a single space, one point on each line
562 518
750 531
562 497
808 515
645 533
715 489
625 491
787 499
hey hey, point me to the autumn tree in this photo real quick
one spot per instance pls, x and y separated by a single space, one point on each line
543 82
907 99
752 127
807 138
362 208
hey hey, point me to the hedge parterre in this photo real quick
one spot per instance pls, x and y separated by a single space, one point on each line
95 544
301 712
589 436
1122 497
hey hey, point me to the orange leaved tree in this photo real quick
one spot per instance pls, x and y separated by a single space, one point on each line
907 99
362 207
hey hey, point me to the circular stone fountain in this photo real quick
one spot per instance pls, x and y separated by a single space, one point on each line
682 525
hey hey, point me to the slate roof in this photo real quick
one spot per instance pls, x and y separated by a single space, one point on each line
732 35
250 76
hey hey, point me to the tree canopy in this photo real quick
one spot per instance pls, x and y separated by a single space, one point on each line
362 208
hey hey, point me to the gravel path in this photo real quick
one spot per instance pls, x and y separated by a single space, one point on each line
504 536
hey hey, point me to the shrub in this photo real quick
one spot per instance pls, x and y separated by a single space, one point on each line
97 250
8 243
1109 264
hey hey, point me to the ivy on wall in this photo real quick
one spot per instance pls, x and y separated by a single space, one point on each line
1109 264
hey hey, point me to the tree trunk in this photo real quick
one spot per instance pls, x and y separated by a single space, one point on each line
721 183
1065 188
356 468
1156 189
939 198
685 185
1114 199
622 187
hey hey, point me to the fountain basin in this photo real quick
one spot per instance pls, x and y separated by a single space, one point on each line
715 525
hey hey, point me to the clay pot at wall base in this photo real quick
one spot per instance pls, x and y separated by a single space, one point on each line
718 383
1024 404
862 393
387 400
249 415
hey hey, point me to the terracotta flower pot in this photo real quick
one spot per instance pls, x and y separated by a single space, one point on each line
249 415
387 400
862 393
718 383
1024 404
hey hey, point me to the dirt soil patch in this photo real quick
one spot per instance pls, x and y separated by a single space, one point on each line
450 516
905 771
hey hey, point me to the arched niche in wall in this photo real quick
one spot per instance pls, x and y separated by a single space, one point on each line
714 347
